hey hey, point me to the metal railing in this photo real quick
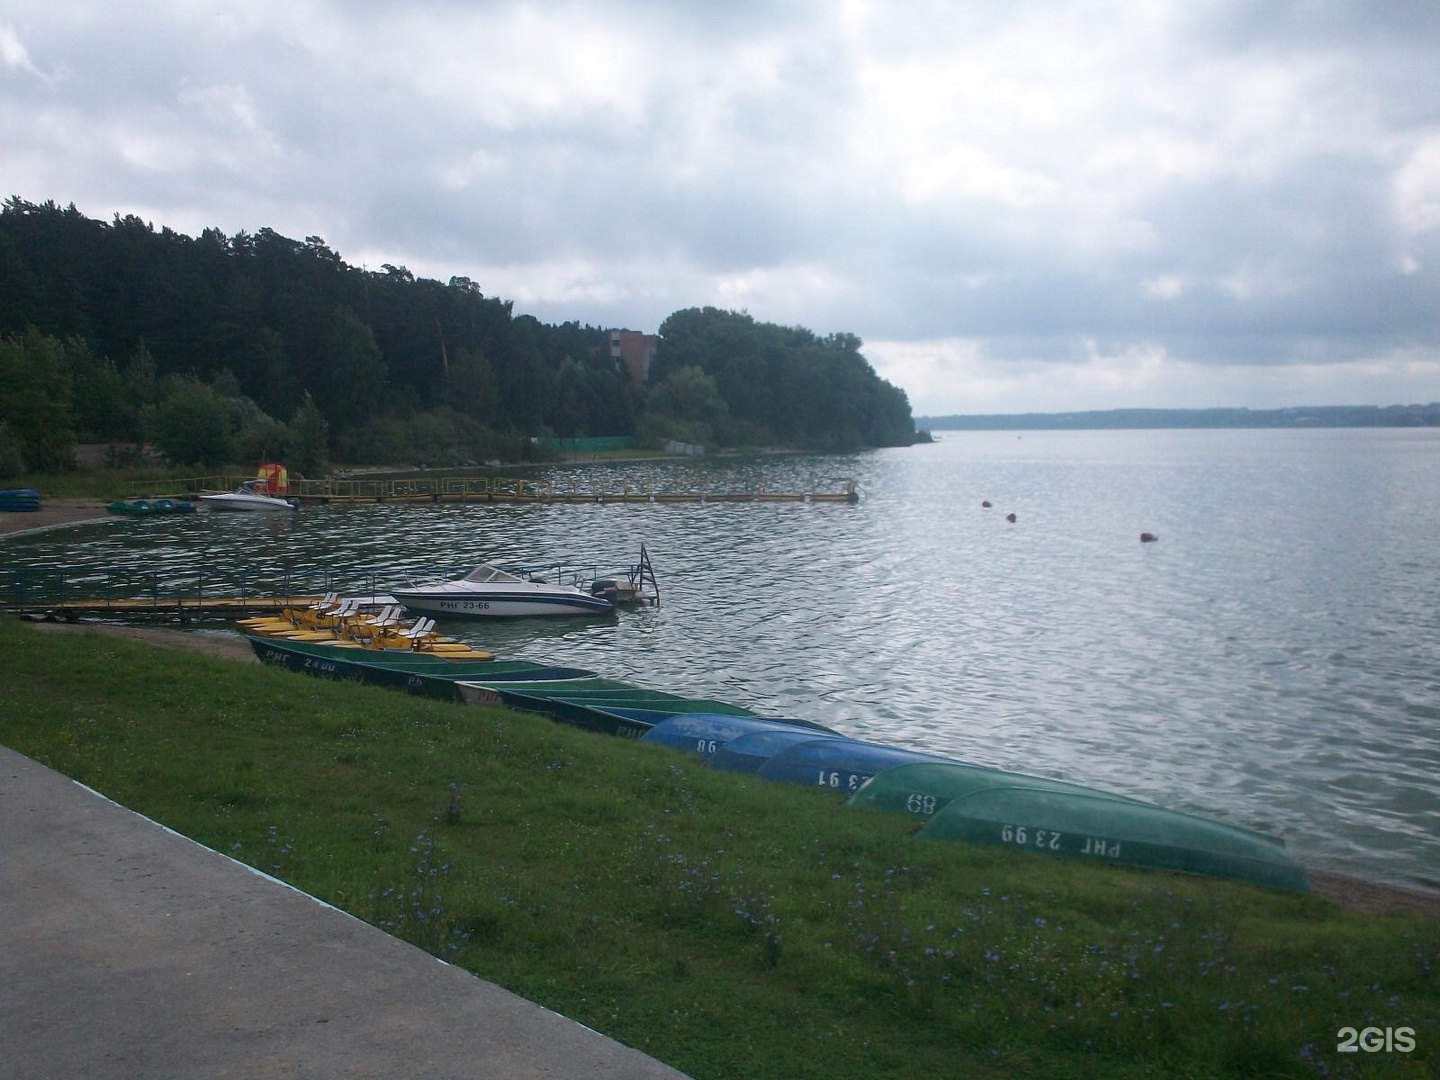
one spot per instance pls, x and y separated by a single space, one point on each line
28 588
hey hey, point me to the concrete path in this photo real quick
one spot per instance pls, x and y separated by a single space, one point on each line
127 950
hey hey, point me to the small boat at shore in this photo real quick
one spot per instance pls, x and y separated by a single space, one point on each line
150 507
250 495
1048 817
706 733
428 673
836 764
605 705
955 801
923 789
981 805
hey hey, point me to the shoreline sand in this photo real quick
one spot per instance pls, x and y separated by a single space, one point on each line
1351 893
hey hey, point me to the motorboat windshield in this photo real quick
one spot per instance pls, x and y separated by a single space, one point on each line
482 574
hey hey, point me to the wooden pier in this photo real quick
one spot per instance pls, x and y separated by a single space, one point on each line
181 608
482 490
207 592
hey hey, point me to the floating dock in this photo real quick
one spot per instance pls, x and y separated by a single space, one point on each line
508 490
209 592
182 608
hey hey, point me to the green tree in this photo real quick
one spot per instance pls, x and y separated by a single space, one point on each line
308 447
140 387
527 385
351 383
687 406
12 458
100 414
264 369
36 400
787 382
191 425
570 409
473 389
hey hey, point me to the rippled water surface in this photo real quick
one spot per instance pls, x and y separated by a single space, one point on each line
1271 661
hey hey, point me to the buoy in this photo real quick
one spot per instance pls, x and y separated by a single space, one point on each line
1148 538
985 503
1010 518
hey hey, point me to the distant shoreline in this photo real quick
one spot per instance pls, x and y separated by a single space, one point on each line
1317 416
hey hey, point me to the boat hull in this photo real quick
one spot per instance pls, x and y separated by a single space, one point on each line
705 733
1097 828
836 764
581 704
236 500
496 605
748 752
923 789
607 705
150 507
416 673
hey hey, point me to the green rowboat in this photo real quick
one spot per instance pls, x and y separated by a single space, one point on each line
1111 830
617 708
923 789
418 672
150 507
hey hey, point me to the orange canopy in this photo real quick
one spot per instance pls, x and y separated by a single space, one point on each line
277 479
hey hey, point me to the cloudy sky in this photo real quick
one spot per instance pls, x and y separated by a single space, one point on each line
1019 206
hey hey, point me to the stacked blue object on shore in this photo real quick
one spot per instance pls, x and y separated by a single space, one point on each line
14 500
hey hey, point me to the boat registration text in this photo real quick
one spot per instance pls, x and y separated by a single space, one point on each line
1050 840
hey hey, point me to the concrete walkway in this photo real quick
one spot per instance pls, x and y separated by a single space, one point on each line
127 950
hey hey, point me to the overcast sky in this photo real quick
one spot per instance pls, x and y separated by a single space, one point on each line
1019 207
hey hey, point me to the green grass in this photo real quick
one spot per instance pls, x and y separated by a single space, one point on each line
727 926
98 483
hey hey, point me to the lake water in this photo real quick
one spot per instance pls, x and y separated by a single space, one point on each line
1271 661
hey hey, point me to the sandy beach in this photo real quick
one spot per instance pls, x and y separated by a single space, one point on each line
1353 894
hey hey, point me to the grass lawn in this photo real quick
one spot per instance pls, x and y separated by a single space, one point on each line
727 926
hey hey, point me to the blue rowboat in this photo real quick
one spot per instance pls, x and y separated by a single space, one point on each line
1118 831
704 733
19 500
747 753
836 764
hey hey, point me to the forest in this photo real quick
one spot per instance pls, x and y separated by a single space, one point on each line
220 349
1314 416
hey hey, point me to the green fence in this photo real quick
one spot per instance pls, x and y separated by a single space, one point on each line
594 445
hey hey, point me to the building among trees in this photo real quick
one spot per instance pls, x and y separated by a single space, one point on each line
636 351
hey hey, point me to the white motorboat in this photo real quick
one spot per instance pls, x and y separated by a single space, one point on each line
248 496
489 592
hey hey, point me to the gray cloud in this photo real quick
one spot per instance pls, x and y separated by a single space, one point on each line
1044 187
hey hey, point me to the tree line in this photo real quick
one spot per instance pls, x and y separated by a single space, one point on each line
217 349
1305 416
